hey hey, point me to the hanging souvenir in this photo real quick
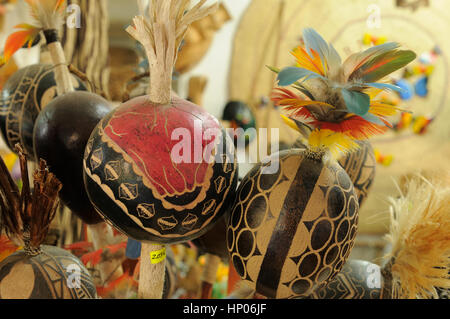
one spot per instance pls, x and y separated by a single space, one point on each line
160 168
37 271
292 231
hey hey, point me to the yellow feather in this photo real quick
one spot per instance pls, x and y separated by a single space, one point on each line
290 123
301 103
383 109
337 143
373 92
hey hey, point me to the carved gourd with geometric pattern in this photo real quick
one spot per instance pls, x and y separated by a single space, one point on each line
24 95
52 274
358 279
292 231
137 185
360 166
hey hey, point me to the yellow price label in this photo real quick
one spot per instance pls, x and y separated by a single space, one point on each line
158 256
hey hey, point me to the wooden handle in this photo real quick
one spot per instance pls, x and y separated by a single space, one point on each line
62 74
151 273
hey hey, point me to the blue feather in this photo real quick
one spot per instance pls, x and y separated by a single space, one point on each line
290 75
369 117
407 92
421 87
356 102
384 86
327 53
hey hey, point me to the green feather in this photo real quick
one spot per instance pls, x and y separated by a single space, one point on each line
350 65
383 65
273 69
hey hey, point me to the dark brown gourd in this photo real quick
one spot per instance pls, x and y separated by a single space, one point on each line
24 95
61 133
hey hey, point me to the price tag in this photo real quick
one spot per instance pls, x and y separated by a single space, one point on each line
158 256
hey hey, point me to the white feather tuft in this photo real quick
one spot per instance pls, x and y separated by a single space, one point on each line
48 14
420 238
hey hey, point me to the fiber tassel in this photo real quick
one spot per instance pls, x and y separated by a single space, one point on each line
420 236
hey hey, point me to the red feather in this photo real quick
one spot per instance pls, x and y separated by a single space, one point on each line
115 248
284 97
280 94
93 258
125 279
302 113
81 246
116 232
355 127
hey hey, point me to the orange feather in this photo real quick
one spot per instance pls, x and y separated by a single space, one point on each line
18 39
6 248
60 5
379 64
305 61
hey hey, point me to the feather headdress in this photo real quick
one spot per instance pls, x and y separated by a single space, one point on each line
47 15
420 238
335 103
